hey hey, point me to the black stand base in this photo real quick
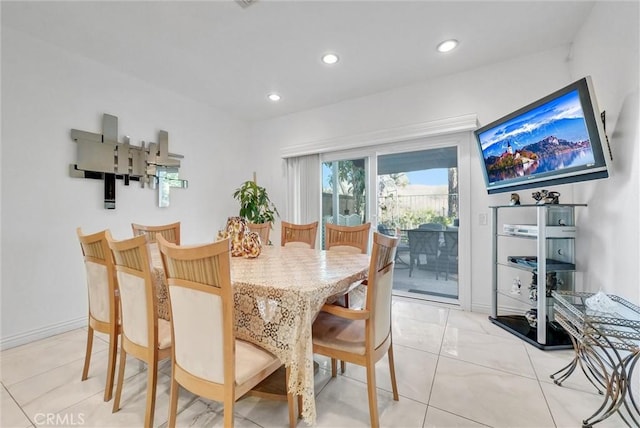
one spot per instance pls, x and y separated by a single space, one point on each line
557 337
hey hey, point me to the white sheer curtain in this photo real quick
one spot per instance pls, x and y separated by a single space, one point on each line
303 189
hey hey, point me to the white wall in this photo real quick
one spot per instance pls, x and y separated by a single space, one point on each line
492 92
608 49
45 93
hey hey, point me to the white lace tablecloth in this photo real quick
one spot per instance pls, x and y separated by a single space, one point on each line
277 297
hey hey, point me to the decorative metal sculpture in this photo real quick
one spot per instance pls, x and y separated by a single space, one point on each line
101 156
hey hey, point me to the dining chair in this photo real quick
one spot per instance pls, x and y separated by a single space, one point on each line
352 239
348 239
432 226
424 242
104 304
171 232
298 235
144 335
450 252
262 229
363 336
386 230
403 245
208 360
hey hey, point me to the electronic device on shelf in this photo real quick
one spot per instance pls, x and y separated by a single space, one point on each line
532 230
531 262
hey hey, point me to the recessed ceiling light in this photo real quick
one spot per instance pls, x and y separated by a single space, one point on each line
330 58
273 97
447 45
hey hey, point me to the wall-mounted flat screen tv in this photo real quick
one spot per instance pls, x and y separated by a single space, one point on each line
558 139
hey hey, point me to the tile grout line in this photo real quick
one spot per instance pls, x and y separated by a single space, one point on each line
18 404
544 396
435 370
462 417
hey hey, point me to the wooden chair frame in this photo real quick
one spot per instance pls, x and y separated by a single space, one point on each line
262 229
95 249
131 257
298 233
171 232
382 264
347 238
341 238
210 274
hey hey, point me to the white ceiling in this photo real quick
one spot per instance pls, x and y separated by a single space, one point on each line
230 57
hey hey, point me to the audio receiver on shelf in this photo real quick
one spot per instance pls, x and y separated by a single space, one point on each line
531 230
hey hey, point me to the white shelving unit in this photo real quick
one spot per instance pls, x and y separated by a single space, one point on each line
548 259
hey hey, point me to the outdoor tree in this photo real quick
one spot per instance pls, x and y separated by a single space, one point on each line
453 193
351 180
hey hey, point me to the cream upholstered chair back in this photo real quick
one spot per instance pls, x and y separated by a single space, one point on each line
207 358
262 229
379 289
201 300
144 336
347 238
101 282
363 336
104 303
298 235
170 232
137 298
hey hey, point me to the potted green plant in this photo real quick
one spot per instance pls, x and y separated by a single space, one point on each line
255 204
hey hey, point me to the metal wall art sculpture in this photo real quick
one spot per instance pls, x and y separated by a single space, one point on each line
101 156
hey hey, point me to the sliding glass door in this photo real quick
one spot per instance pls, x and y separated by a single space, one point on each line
418 201
411 191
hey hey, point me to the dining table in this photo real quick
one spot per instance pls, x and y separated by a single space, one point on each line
277 296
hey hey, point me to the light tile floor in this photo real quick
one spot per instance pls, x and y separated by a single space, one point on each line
454 369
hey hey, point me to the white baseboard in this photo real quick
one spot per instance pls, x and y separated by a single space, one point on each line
41 333
481 309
